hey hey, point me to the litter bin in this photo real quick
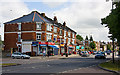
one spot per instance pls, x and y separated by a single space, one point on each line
66 54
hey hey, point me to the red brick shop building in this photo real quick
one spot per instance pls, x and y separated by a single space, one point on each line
36 32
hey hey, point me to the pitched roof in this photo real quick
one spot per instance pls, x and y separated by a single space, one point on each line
34 16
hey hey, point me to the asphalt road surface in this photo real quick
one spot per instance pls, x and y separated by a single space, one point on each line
70 65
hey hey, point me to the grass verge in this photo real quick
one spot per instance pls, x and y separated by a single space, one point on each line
8 64
111 66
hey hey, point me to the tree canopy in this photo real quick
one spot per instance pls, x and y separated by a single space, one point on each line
92 45
112 21
91 38
86 38
79 37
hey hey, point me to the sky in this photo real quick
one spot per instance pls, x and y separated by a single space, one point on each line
83 16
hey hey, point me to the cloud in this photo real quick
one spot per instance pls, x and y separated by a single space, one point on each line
11 10
84 18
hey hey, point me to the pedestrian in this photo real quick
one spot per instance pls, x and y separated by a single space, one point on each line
44 53
48 53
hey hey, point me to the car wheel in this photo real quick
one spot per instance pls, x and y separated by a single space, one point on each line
22 57
13 57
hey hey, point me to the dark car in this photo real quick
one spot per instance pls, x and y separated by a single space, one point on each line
100 56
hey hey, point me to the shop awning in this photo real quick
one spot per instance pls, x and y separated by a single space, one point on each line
71 47
42 45
53 46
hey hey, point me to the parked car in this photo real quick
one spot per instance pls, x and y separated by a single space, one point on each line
19 55
108 52
84 54
100 56
94 52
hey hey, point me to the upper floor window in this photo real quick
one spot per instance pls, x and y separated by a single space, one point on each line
64 33
55 38
49 27
73 35
55 29
19 26
73 41
68 34
19 37
60 31
64 40
38 26
68 41
49 37
38 36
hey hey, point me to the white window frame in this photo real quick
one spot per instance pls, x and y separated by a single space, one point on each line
68 34
19 26
38 37
73 35
64 33
60 31
55 29
19 37
49 27
49 36
38 24
73 41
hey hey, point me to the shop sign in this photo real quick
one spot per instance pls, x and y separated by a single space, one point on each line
77 47
51 43
70 45
61 44
43 43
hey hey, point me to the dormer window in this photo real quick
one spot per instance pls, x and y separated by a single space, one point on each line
38 26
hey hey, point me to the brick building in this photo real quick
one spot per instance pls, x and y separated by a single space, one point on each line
35 32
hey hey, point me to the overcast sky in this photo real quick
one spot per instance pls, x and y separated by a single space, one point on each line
83 16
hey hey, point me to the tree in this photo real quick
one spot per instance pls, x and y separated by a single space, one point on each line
79 37
91 38
112 21
108 47
86 38
92 45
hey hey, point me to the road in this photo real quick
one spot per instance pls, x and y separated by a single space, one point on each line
69 65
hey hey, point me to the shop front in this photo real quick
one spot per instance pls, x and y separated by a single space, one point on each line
70 49
42 47
52 48
35 48
62 50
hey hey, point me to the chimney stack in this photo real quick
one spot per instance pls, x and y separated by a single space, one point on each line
43 14
64 24
55 19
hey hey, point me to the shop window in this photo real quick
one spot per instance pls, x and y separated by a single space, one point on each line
38 25
38 36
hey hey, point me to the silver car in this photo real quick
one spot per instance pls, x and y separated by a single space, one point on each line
19 55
